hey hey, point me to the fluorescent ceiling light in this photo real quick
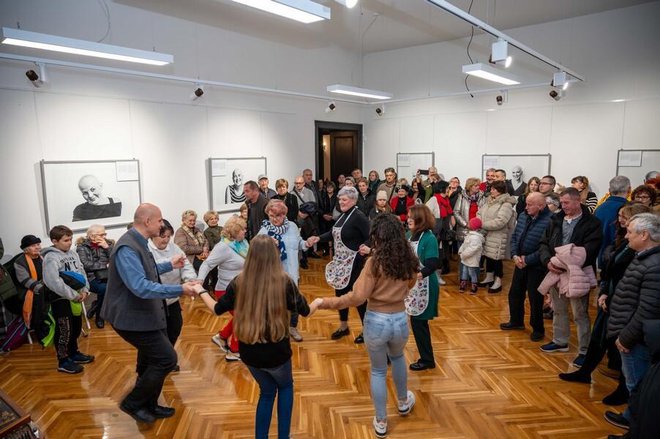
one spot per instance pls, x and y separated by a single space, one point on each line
348 3
492 74
304 11
357 91
22 38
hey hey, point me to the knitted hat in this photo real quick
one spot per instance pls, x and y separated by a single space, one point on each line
29 240
475 223
381 195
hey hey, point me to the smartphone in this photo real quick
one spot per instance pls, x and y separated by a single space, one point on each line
423 171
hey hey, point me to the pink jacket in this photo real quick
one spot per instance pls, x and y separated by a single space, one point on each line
575 281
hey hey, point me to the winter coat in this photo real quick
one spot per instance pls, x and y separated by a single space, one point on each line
366 202
575 280
471 249
527 236
636 299
95 259
607 214
498 220
587 233
462 213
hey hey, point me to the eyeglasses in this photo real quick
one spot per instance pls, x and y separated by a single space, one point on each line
100 234
642 197
544 182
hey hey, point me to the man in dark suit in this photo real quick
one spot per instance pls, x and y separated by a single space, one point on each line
135 306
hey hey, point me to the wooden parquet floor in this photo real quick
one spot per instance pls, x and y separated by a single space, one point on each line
488 383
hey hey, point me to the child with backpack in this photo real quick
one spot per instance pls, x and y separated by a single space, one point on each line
64 276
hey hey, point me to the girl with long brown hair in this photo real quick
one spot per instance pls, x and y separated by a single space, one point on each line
263 295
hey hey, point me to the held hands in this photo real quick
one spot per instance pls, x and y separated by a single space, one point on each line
178 261
364 250
191 288
315 305
312 240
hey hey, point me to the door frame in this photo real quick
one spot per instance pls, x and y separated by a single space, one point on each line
334 126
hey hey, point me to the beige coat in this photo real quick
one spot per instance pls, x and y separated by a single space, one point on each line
498 219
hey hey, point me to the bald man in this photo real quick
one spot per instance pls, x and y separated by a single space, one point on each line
135 306
96 204
529 272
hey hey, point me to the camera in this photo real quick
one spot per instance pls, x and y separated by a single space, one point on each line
423 171
499 99
554 94
32 75
199 91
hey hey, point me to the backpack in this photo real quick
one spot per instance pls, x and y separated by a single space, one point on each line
8 280
17 335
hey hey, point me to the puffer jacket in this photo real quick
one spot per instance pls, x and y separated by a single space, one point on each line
95 259
636 299
471 249
575 281
498 220
527 236
462 213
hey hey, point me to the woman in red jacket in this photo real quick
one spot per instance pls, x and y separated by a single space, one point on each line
402 202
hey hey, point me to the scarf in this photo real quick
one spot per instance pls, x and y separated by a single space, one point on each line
240 247
277 232
196 235
29 295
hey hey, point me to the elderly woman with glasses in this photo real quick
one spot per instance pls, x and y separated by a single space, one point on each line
286 235
191 240
94 253
349 233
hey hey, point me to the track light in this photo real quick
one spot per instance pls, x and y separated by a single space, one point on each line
556 94
37 79
380 110
197 93
560 80
502 98
331 107
499 53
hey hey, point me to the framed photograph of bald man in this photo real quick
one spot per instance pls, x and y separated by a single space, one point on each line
519 168
227 177
78 194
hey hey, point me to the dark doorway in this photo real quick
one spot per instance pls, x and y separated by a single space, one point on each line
338 149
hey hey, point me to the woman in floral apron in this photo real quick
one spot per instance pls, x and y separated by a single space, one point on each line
349 232
422 302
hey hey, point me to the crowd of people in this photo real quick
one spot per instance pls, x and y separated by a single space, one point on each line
389 242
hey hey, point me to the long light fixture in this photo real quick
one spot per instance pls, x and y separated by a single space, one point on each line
348 3
304 11
490 73
357 91
22 38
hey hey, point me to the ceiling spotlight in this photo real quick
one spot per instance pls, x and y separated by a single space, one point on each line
348 3
499 53
502 98
37 79
197 93
560 80
331 107
380 110
556 94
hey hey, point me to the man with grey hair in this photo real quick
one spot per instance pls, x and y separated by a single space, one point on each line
608 211
636 302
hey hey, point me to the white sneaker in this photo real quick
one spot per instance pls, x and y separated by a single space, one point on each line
295 334
221 342
232 356
380 427
441 281
406 406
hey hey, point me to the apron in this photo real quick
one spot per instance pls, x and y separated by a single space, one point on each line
417 299
338 271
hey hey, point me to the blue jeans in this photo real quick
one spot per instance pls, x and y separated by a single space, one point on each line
469 273
271 381
386 334
634 365
98 287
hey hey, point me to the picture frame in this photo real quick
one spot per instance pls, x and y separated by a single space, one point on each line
227 177
636 163
531 165
78 194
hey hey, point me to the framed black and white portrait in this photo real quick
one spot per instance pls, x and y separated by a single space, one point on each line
227 177
519 168
78 194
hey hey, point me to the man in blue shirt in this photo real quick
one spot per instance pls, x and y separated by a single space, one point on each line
608 211
135 307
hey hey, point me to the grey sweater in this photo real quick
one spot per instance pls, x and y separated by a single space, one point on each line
56 261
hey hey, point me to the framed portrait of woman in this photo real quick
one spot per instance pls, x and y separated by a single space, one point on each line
226 180
78 194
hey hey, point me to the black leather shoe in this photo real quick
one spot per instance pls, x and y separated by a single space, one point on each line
576 377
359 339
617 419
418 365
100 323
313 255
621 436
140 415
508 326
339 333
92 309
618 397
162 412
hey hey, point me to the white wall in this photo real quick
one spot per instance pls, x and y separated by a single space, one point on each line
617 53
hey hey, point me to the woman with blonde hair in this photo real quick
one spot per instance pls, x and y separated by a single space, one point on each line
263 295
191 240
229 256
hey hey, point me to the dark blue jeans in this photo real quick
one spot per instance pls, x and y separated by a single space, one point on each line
98 287
271 381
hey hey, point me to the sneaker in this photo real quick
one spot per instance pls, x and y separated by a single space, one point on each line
221 342
380 427
579 360
462 286
441 281
81 358
617 419
295 334
232 356
68 366
554 347
406 406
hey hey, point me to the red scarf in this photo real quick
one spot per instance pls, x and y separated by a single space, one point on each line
445 207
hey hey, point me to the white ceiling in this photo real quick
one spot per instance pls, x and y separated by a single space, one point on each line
376 25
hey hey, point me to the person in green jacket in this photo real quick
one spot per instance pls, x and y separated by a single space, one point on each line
422 302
